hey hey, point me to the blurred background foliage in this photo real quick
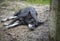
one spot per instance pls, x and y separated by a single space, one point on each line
38 1
32 1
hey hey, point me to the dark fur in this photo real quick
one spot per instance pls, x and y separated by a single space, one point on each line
26 16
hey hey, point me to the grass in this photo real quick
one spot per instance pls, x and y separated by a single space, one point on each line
34 1
38 1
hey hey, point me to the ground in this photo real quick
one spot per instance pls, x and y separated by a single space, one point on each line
22 33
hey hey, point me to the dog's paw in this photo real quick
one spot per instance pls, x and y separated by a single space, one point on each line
3 20
5 27
5 24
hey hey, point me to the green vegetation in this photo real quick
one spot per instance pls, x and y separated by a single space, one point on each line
38 1
33 1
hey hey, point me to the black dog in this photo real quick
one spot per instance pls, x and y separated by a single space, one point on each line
26 16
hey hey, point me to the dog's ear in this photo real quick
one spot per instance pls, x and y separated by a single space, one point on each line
29 14
36 14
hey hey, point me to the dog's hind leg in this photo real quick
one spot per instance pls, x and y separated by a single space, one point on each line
14 23
14 20
11 25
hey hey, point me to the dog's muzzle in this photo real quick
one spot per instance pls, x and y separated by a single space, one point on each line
31 26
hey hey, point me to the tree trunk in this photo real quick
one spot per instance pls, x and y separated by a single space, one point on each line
58 23
53 19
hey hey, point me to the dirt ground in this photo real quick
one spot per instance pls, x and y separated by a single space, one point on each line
22 33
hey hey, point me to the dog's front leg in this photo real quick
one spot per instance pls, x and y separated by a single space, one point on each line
10 18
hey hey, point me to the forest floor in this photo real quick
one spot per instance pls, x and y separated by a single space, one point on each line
22 33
